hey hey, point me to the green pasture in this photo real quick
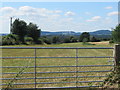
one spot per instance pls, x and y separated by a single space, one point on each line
56 62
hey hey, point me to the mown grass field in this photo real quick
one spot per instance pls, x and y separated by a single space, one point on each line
57 62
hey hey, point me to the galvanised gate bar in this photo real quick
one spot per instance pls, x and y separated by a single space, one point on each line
43 75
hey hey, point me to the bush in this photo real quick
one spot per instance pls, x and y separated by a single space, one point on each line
29 40
74 40
10 39
67 40
40 41
111 41
55 39
46 40
86 43
0 40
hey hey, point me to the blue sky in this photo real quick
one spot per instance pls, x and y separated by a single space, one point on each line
62 16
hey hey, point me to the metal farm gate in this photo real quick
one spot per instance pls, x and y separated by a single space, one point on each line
39 68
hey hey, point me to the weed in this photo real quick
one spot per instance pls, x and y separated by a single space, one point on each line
113 78
10 84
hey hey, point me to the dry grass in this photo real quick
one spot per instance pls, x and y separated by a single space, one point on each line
57 62
101 43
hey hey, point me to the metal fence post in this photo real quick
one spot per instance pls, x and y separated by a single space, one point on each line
76 67
35 67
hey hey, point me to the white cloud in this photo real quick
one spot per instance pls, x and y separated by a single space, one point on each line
113 13
95 18
52 20
27 9
56 15
44 10
109 7
57 11
70 19
69 13
29 14
87 13
7 11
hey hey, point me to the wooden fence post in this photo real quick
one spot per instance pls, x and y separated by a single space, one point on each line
117 55
117 62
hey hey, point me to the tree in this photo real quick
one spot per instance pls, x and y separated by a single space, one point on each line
85 41
55 39
0 40
73 39
84 35
33 31
116 34
46 40
67 40
28 40
19 28
93 39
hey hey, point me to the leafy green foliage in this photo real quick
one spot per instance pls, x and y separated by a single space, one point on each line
73 39
0 40
40 41
93 39
10 39
86 36
116 34
19 28
22 30
46 40
29 40
70 39
113 78
55 39
33 31
67 40
111 41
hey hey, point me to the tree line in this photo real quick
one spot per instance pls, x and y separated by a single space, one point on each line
23 33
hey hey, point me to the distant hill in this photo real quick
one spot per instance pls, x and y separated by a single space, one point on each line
105 34
44 33
4 34
98 32
101 32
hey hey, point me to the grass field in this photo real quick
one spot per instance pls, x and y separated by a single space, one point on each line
57 62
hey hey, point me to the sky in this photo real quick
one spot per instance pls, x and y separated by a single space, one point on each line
61 16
